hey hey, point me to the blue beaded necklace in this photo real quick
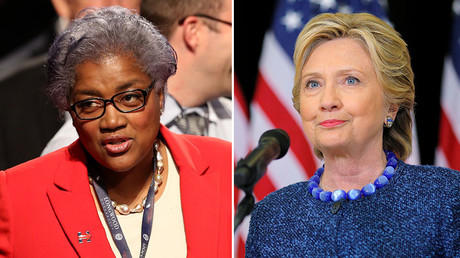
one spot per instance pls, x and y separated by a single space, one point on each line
353 194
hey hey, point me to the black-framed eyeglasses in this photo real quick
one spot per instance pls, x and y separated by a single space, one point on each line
181 21
125 102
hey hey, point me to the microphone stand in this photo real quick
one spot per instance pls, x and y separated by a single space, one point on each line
273 144
246 205
244 209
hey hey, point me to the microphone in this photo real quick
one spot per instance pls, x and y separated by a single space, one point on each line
273 144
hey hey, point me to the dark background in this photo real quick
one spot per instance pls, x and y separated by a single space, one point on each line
27 118
426 28
21 21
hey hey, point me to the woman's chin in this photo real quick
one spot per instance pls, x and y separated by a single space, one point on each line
118 164
332 140
332 146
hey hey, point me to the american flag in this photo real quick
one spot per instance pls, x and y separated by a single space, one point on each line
448 151
272 107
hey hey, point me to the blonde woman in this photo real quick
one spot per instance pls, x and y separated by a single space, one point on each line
354 92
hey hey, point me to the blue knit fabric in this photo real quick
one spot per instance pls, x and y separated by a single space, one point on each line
416 215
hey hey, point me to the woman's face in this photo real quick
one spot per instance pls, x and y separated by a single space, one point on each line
341 101
118 141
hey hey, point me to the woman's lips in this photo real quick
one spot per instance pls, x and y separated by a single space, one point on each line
331 123
117 145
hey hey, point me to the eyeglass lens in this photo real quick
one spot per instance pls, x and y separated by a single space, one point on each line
127 101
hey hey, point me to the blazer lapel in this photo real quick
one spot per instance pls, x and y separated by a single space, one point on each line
74 206
199 198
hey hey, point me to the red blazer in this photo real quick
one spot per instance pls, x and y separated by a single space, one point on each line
45 202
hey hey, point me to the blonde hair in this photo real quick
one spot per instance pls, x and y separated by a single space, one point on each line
391 60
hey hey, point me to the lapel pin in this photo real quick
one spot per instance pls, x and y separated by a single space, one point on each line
87 236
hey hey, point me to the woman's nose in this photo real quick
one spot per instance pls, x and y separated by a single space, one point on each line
330 98
112 119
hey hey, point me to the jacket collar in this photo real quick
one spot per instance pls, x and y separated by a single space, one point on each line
72 173
200 198
74 205
71 198
183 152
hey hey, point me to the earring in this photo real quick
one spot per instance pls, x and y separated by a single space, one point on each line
389 122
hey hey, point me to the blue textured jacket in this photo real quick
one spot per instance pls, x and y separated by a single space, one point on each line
416 214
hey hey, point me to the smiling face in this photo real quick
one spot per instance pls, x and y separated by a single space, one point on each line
341 101
118 141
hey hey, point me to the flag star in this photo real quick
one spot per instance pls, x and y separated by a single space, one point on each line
325 5
383 3
456 7
292 20
345 9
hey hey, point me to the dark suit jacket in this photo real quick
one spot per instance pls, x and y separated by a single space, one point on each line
27 118
47 201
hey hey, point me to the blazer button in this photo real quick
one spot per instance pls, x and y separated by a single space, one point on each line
336 207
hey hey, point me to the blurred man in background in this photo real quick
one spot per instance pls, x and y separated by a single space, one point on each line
201 33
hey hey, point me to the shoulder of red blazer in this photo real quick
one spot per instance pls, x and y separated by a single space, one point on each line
45 169
199 151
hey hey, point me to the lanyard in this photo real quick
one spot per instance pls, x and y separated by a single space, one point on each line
111 217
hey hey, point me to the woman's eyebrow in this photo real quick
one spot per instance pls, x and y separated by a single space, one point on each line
128 84
87 92
119 88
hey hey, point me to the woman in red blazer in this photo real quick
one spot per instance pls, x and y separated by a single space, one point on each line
128 186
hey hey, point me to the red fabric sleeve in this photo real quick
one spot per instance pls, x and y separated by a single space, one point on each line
6 237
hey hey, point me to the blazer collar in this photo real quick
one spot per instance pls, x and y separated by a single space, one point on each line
183 152
72 173
199 198
74 206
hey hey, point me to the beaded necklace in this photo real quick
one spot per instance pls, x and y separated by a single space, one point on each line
123 209
108 208
354 194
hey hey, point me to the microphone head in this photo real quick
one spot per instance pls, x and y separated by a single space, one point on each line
281 136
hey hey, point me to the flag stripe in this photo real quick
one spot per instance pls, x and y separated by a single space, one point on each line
241 250
240 99
280 117
263 187
278 70
293 171
237 195
441 158
241 123
449 143
451 95
240 148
